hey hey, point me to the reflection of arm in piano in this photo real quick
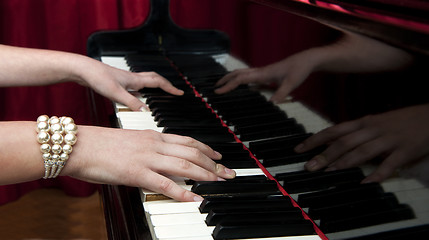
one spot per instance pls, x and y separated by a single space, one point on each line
352 53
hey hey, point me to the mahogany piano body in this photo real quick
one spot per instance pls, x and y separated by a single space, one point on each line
160 40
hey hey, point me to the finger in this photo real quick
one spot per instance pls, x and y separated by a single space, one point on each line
154 80
389 166
194 156
361 154
327 135
130 100
191 142
167 187
231 85
228 77
282 92
341 146
240 77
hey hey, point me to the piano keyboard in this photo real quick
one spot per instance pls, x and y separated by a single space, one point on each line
169 219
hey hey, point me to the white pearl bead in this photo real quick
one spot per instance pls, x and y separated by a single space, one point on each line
66 120
67 148
70 138
45 148
46 156
53 120
43 137
56 148
71 128
57 128
57 138
42 126
55 157
42 118
64 157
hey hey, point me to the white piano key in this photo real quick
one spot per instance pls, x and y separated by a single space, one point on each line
138 121
117 62
183 231
309 237
167 207
178 219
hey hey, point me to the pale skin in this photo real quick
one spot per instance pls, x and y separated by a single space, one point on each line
101 155
399 137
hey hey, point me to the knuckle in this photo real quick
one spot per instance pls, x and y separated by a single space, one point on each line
166 185
342 143
184 164
189 141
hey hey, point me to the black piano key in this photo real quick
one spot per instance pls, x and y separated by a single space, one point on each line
271 153
272 132
237 179
227 147
240 112
415 232
236 154
233 95
177 115
288 122
384 202
278 143
264 201
264 229
241 164
237 102
257 119
341 194
244 109
191 110
285 160
202 134
175 105
251 215
312 181
218 187
188 123
161 101
401 212
388 200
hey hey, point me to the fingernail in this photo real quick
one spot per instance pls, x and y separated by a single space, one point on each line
144 109
230 172
330 169
198 198
367 180
299 147
311 165
218 154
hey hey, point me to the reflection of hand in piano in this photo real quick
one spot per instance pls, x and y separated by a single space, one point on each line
401 136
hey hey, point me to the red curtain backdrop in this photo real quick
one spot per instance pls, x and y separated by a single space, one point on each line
259 35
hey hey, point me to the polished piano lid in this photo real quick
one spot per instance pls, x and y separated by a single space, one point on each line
397 22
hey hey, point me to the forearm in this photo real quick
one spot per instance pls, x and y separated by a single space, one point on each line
29 67
358 54
20 157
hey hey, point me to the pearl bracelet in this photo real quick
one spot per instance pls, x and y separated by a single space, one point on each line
56 136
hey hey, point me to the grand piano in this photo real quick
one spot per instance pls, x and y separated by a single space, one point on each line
292 203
